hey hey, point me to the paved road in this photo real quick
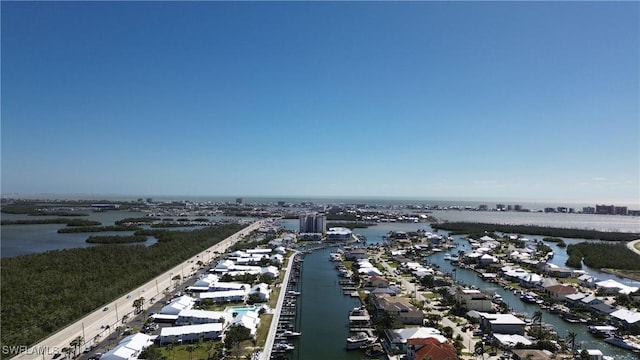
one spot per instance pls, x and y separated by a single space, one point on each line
92 326
467 338
632 246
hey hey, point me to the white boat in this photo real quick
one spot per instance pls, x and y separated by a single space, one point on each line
282 346
622 342
447 256
292 292
358 340
289 333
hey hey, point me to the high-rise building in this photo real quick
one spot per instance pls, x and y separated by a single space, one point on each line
313 223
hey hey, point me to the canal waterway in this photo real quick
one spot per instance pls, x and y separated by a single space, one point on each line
470 277
323 273
323 311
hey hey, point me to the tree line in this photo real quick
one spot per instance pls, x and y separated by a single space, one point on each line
68 222
42 293
457 228
602 255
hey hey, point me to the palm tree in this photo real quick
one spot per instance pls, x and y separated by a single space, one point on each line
537 317
479 349
75 344
67 352
571 337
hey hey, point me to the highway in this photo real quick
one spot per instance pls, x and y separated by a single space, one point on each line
93 326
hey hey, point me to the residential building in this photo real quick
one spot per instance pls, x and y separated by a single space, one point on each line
194 317
501 323
339 234
190 333
129 348
184 302
313 223
396 340
399 307
559 292
473 299
430 348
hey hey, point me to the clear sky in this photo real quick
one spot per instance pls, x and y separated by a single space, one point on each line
505 100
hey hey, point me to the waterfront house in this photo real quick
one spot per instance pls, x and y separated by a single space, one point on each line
339 234
512 340
603 307
501 323
547 282
356 254
532 354
248 319
530 280
614 287
262 290
556 271
587 280
473 299
559 292
376 282
129 348
271 271
391 290
277 259
574 299
190 333
513 274
400 307
589 300
430 348
366 268
396 340
628 319
486 260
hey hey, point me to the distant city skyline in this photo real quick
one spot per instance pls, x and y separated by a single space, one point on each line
529 101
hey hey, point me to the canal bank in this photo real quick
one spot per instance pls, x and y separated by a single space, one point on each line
375 235
323 311
471 278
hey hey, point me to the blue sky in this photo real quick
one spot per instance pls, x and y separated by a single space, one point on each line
505 100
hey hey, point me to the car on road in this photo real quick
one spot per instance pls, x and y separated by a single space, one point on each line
105 308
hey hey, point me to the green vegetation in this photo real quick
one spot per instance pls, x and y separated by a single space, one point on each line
41 293
173 225
349 225
87 229
68 222
456 228
603 255
127 221
116 239
33 210
556 240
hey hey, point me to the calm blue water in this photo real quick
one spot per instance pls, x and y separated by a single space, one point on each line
323 311
374 235
470 277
